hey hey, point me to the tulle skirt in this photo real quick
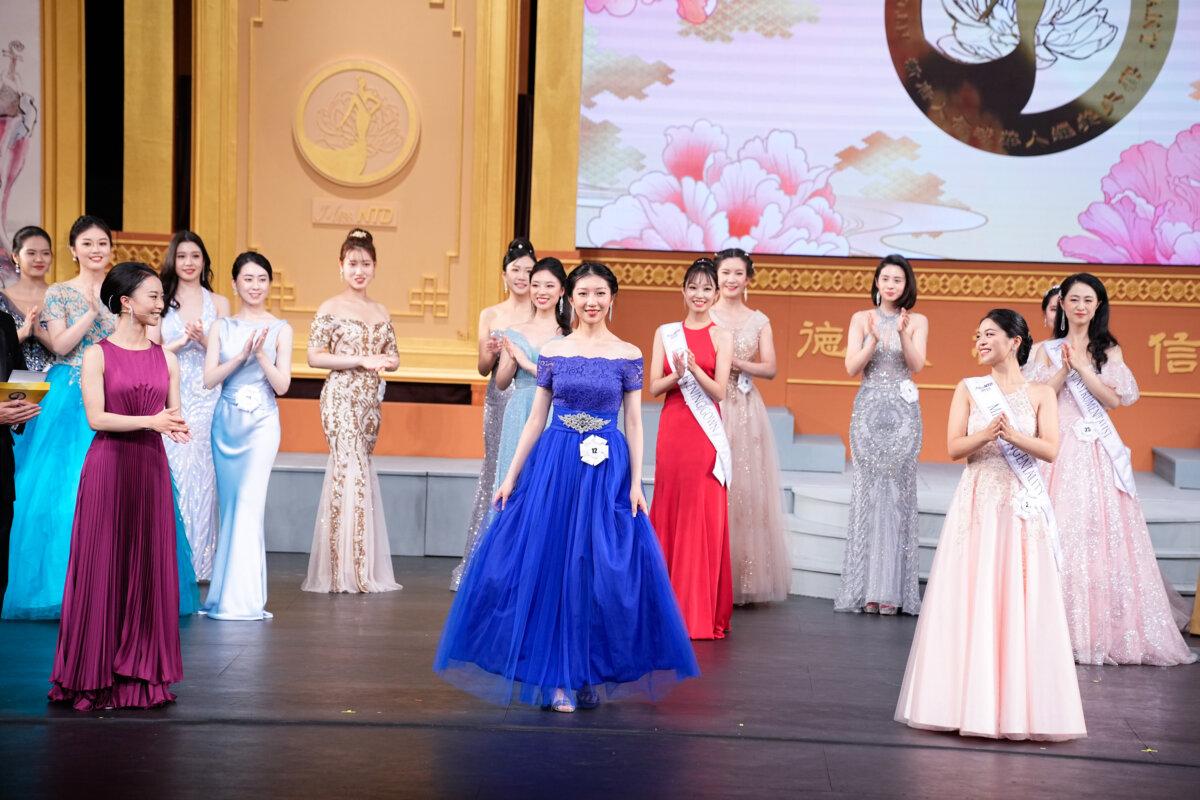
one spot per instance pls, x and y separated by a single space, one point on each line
567 588
49 456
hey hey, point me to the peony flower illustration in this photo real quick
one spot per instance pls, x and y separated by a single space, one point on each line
1151 208
767 198
693 11
986 30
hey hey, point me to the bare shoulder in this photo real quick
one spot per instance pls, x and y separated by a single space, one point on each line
623 349
222 304
328 308
919 318
172 360
721 336
1042 393
93 356
555 347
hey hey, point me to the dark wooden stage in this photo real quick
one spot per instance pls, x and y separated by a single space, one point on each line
335 698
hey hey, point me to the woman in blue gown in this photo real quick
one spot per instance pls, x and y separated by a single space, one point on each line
568 591
49 454
250 355
522 345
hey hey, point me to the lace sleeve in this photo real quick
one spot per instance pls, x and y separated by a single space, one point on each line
1119 378
545 373
631 375
320 333
54 306
1038 373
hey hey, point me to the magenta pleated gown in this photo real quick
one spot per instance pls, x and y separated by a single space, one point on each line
118 642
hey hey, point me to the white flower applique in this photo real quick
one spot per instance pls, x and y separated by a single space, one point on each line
1086 430
1025 505
908 391
248 398
593 450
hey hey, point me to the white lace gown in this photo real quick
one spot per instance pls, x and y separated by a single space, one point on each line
192 463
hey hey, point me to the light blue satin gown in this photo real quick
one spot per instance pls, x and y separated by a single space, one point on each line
245 440
520 403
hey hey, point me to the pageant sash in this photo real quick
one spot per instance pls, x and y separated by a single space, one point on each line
1033 499
1096 422
703 408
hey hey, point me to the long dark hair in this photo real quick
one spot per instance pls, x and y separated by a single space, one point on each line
170 278
908 298
122 281
739 254
562 314
1099 337
1013 325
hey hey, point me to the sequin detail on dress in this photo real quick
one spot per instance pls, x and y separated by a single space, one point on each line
1118 606
350 551
881 559
37 357
494 402
192 463
762 570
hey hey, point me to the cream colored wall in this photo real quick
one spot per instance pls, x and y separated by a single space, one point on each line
431 46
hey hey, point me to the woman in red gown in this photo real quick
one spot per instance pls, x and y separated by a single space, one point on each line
118 643
690 365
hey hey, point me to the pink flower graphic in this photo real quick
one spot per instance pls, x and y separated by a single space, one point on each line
1151 208
693 11
767 199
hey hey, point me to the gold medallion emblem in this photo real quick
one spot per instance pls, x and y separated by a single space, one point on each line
975 83
356 123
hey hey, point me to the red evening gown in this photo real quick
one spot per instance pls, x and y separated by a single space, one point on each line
118 643
690 508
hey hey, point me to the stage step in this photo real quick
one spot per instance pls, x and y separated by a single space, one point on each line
797 452
1178 466
818 515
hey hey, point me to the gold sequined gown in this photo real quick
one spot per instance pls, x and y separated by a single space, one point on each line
762 571
350 551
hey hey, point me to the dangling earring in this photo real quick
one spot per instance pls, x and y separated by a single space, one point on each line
17 269
611 306
560 305
506 288
745 294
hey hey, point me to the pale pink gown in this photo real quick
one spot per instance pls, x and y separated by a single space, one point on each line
1118 608
762 570
992 655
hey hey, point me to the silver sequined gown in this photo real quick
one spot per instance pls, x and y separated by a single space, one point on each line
880 565
192 462
494 403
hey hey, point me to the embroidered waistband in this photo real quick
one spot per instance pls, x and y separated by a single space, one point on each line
583 422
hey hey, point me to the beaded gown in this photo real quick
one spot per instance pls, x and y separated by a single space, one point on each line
37 357
49 456
118 643
245 441
992 655
758 552
350 550
881 559
192 462
690 507
1118 607
568 588
494 403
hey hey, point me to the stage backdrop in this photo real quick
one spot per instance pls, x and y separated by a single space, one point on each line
996 130
20 134
1004 144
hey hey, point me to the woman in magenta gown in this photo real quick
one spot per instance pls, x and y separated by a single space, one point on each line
692 464
118 643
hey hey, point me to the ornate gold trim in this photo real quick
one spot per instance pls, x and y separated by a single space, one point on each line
148 108
973 284
951 387
149 248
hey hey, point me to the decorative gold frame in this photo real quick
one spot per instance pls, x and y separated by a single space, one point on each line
303 143
62 121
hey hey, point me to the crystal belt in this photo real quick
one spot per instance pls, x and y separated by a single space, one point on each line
582 422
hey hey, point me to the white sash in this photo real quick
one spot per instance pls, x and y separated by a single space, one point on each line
703 408
1033 499
1097 417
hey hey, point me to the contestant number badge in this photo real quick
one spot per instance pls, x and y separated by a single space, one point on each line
593 450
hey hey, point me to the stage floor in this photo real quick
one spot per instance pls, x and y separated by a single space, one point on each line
335 698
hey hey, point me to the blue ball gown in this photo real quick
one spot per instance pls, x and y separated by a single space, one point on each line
520 403
568 588
49 456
